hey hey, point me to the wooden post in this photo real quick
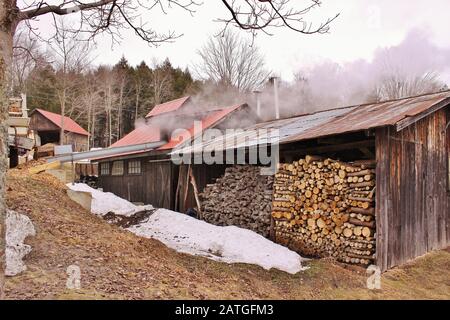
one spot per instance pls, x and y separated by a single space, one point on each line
177 192
186 190
197 199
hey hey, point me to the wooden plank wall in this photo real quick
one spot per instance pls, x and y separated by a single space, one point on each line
447 129
129 187
157 184
79 142
413 206
204 174
40 123
159 181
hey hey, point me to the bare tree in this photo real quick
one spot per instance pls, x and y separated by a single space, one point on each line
71 58
161 82
232 61
397 86
108 82
87 104
112 16
27 55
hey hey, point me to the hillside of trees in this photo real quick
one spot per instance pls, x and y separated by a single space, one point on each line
107 100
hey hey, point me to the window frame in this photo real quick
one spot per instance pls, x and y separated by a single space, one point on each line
102 166
122 171
130 167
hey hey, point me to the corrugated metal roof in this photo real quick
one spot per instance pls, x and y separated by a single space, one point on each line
370 116
167 107
69 124
326 123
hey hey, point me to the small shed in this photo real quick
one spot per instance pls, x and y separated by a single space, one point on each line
47 125
409 142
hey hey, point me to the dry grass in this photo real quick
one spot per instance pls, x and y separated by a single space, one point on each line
116 264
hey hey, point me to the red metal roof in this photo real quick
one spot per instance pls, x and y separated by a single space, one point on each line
151 133
212 118
142 134
69 124
167 107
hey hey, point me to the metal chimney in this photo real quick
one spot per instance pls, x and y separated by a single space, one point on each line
258 102
274 81
24 105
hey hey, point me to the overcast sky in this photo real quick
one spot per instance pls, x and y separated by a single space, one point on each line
362 27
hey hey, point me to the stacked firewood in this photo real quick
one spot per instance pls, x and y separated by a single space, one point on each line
324 207
241 197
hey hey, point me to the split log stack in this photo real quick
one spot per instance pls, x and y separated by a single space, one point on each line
326 208
241 197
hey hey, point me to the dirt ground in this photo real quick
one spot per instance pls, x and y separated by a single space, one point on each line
116 264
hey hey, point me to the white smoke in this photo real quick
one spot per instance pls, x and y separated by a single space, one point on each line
416 61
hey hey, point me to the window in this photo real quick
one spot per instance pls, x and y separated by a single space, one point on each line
104 169
117 168
134 167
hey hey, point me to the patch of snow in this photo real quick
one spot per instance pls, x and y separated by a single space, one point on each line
188 235
227 244
104 202
18 227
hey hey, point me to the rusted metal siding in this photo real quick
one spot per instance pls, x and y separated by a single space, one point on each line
412 200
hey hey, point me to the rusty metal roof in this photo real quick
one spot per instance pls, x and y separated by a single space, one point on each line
370 116
326 123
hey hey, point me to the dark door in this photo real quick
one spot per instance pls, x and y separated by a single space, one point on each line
158 184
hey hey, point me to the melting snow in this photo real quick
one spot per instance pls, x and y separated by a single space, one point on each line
227 244
18 228
189 235
104 202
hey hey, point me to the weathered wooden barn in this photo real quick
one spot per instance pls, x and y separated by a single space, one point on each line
149 176
47 125
409 139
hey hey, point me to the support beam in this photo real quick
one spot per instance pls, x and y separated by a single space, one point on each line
334 148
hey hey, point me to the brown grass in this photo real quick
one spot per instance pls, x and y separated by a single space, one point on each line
116 264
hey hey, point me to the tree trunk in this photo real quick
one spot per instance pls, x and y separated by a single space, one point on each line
119 112
89 126
93 130
109 116
136 111
63 111
7 27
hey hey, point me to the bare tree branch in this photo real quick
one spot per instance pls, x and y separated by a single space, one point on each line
261 15
232 62
43 8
